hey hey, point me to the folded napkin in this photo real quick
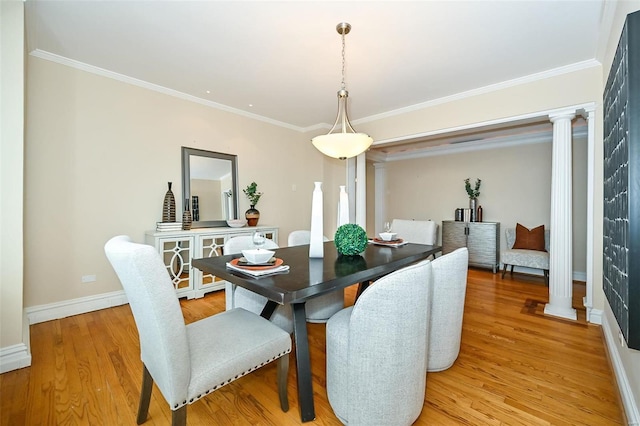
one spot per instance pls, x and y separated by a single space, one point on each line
394 243
259 272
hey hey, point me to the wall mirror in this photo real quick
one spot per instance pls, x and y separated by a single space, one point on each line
209 186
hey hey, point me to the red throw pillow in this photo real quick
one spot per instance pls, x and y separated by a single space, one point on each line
529 239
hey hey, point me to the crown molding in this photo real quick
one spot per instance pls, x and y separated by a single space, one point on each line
495 143
578 66
156 88
42 54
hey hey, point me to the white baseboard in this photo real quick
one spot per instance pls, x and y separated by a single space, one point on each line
626 393
82 305
14 357
594 316
17 356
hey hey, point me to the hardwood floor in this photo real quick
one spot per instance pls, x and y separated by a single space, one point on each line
516 367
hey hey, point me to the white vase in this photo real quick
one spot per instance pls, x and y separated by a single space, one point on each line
316 243
343 207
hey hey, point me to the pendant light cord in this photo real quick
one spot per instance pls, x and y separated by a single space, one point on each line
343 61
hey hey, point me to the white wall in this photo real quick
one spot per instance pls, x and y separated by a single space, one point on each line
625 360
516 187
99 154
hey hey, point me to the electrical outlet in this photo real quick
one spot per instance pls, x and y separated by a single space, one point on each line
88 278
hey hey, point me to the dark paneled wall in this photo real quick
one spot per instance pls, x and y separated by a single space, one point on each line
621 268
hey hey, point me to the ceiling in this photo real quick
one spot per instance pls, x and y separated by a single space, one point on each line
281 61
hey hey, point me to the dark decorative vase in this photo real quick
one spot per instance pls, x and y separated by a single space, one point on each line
195 208
252 215
169 206
186 217
473 205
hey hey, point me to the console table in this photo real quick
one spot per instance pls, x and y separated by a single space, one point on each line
482 239
179 248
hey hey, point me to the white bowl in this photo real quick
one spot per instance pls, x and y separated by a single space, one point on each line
258 255
236 223
388 236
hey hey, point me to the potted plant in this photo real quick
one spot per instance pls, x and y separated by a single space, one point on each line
252 215
473 193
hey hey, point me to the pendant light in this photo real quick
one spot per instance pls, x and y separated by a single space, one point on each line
342 141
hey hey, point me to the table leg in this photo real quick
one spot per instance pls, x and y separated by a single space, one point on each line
303 363
269 309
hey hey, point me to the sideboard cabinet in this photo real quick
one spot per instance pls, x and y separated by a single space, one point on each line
482 239
179 248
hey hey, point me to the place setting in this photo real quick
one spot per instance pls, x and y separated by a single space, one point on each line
258 262
388 238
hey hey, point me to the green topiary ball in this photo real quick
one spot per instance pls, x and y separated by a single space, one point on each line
350 239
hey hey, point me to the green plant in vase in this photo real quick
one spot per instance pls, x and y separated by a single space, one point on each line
253 195
475 192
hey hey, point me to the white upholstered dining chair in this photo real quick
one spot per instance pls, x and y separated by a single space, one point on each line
238 297
447 310
321 308
377 351
187 362
416 231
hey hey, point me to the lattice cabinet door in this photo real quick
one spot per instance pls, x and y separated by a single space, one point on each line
176 253
208 246
178 248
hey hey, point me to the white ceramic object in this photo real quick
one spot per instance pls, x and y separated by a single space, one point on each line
388 236
343 207
258 255
236 223
316 243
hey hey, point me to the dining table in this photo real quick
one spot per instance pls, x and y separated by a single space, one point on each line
309 277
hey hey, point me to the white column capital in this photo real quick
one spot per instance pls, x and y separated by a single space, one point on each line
567 114
379 166
589 112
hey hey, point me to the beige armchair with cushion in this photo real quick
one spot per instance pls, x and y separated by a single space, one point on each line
531 250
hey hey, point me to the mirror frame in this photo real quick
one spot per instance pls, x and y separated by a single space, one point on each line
187 153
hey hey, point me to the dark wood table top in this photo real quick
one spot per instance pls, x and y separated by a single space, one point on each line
308 278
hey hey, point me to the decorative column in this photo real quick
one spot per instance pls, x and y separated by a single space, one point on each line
560 247
590 115
361 190
351 187
380 197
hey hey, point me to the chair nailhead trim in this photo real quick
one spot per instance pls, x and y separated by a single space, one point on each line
216 387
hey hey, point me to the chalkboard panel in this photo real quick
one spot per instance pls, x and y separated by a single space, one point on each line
621 228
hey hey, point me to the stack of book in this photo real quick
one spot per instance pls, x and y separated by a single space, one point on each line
168 226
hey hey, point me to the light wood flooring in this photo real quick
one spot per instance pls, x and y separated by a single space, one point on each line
516 367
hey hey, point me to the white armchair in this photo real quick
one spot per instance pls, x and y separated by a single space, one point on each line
535 259
187 362
377 351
